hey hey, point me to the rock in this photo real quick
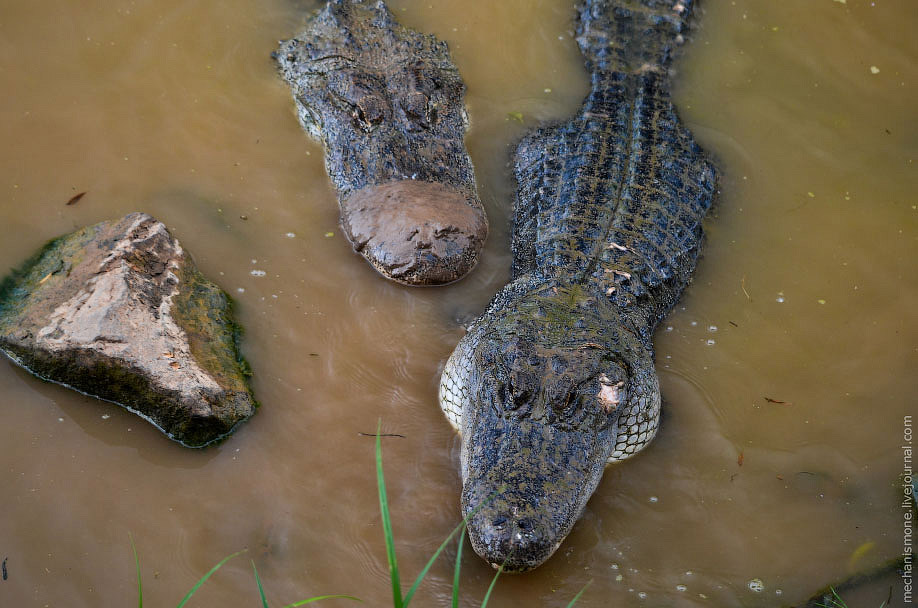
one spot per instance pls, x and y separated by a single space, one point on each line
119 311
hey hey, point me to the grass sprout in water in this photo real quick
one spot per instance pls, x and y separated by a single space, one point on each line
398 600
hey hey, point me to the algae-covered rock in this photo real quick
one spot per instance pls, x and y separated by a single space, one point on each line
119 311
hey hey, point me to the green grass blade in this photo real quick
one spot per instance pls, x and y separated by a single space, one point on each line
458 566
321 597
461 526
261 590
577 597
397 601
205 577
838 600
417 582
139 581
484 602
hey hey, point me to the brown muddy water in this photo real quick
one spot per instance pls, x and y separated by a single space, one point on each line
805 295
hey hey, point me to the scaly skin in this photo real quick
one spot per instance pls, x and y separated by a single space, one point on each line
388 104
556 379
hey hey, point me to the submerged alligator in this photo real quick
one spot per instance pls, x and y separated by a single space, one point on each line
388 104
556 379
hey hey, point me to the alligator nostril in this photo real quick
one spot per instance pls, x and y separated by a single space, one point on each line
499 523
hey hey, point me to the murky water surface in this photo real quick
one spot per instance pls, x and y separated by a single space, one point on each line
786 369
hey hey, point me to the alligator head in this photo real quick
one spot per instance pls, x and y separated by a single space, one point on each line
388 104
544 397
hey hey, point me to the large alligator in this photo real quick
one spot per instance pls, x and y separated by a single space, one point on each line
387 102
556 379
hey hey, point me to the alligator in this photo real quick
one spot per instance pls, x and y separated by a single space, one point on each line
556 379
388 103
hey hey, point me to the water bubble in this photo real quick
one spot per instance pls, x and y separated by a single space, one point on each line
669 328
778 592
613 566
105 416
779 299
689 573
254 261
642 595
756 585
710 342
694 323
258 273
681 587
240 289
290 235
712 328
653 499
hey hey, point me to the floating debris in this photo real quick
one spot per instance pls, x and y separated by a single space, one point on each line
756 585
517 116
258 273
328 235
777 401
874 69
76 198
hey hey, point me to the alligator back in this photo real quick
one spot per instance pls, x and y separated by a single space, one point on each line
614 198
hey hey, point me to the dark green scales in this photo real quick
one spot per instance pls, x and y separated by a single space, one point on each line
556 379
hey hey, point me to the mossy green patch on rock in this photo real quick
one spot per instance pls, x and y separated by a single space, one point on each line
205 313
56 259
118 311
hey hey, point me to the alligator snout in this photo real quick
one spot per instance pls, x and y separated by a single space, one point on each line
529 483
517 542
415 232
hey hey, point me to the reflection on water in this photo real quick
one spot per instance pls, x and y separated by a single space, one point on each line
786 369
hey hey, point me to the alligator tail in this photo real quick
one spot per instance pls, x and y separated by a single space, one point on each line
628 36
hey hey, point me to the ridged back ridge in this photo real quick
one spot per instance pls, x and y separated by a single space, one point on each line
614 198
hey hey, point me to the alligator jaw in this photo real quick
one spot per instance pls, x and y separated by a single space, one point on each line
415 232
528 486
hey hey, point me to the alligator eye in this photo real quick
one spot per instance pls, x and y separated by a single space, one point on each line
417 107
521 398
369 111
